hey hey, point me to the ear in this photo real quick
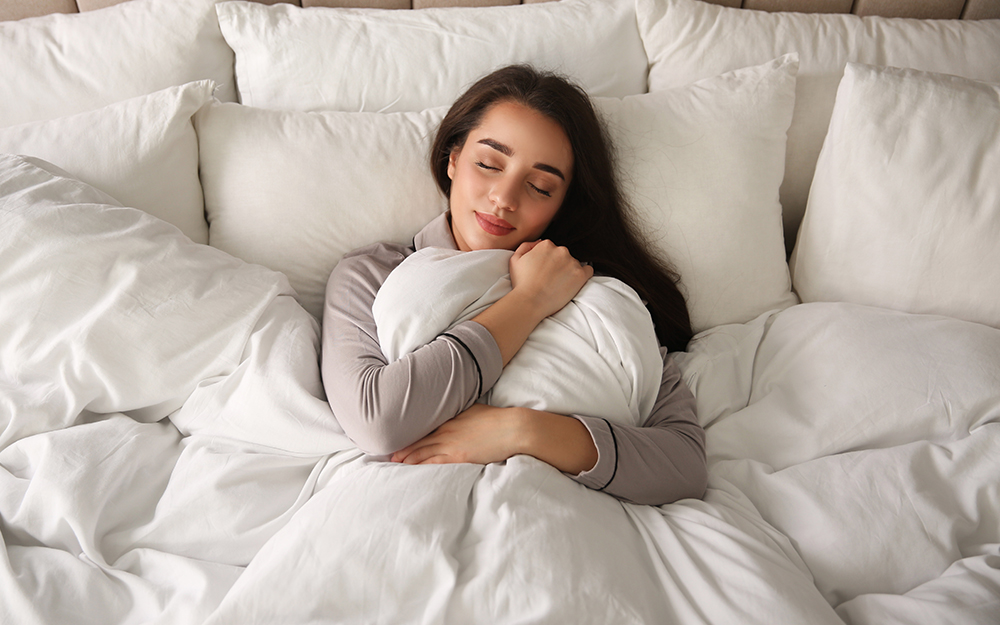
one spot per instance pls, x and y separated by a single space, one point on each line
451 162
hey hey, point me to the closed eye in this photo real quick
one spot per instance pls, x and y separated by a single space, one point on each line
483 165
541 191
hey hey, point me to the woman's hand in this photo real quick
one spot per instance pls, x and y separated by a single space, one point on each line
548 275
484 434
544 278
480 435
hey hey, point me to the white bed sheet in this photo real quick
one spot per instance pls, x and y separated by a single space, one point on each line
854 458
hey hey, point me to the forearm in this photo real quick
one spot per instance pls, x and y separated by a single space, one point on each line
561 441
543 278
510 320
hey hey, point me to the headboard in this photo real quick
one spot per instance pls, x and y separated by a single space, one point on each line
924 9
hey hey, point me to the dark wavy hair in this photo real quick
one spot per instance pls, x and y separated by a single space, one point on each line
594 221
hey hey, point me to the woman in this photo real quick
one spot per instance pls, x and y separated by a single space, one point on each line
526 166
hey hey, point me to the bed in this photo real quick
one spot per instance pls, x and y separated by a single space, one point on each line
179 177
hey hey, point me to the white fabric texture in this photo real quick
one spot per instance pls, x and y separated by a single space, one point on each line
869 437
320 58
296 191
143 152
904 211
110 321
687 40
57 65
81 277
701 164
596 356
891 512
852 462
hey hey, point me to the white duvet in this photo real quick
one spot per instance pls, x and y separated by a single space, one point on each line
596 356
167 456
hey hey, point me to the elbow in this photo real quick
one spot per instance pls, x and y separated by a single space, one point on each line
698 475
378 428
373 421
373 445
376 443
697 483
692 485
689 476
372 433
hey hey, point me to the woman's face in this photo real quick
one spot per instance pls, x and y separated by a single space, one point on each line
509 179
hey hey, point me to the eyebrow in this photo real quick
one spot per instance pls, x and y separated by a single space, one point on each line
506 151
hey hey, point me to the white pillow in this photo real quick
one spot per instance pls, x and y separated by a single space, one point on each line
143 152
295 191
687 40
62 64
702 164
324 58
904 211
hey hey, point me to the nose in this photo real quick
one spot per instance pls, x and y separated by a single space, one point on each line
504 193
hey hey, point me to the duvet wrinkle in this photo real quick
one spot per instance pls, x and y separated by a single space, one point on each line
754 368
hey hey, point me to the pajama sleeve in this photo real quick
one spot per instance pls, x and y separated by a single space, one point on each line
660 462
383 407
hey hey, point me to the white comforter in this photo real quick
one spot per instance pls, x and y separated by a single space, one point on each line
167 456
597 355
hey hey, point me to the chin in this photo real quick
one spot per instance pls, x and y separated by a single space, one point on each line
491 245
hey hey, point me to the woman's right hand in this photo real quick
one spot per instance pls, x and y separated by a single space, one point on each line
547 275
544 278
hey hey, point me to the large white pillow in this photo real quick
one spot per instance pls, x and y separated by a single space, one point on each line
143 152
324 58
904 211
296 191
62 64
702 164
687 40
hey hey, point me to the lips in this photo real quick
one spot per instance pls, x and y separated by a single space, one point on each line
493 225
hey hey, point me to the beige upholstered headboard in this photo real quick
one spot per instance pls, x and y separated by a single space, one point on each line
932 9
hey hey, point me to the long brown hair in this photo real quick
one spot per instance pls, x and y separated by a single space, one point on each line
594 222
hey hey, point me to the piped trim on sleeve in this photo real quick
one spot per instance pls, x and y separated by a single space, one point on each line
479 370
603 473
614 441
477 340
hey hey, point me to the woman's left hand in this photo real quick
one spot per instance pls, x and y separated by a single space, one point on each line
480 435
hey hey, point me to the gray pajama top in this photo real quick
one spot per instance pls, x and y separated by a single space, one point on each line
383 407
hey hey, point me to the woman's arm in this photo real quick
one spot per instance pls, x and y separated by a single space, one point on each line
660 462
383 407
543 278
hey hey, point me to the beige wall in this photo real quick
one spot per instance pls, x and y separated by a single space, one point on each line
936 9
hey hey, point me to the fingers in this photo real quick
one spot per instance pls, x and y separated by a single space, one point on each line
429 450
545 258
415 454
548 276
427 454
479 435
524 248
